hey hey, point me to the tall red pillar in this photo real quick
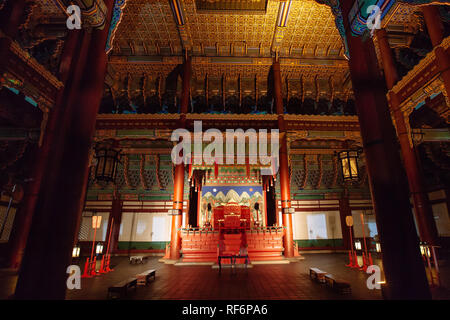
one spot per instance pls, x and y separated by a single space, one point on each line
199 209
265 206
11 17
402 262
344 212
434 24
178 192
284 164
185 88
56 218
116 214
178 184
424 214
71 63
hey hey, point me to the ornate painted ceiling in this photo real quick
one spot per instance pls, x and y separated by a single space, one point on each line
149 27
235 38
310 27
147 22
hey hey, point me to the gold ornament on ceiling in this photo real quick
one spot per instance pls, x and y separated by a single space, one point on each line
231 5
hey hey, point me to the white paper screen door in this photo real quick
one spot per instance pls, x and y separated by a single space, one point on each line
159 228
317 226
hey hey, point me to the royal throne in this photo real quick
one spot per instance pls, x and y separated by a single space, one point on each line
231 216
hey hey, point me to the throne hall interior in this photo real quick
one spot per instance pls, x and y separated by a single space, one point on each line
87 120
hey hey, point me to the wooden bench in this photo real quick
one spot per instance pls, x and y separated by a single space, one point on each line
144 277
317 275
121 288
340 286
136 259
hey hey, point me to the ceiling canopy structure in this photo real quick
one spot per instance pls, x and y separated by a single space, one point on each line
237 39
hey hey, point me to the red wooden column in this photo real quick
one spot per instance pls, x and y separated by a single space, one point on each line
199 200
178 184
116 213
435 28
11 17
434 24
402 262
75 49
185 87
424 214
344 211
178 192
56 218
284 164
265 206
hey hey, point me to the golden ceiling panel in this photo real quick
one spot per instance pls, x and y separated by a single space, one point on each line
310 27
310 24
211 28
149 22
404 15
231 5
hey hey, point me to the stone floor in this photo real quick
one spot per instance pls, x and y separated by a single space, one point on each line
267 281
274 281
279 281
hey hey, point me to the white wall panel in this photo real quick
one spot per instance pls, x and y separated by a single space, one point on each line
316 225
145 226
125 226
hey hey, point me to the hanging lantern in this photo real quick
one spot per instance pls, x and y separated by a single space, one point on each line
349 164
106 167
